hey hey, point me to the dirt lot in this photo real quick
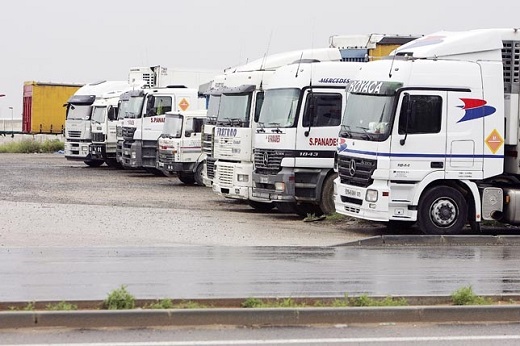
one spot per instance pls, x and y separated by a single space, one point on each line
49 201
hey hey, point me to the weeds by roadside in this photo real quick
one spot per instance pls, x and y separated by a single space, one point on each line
27 146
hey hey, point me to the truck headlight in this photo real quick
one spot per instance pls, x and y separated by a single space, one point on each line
279 186
243 178
371 196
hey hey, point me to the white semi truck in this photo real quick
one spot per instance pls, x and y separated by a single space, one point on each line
240 103
78 119
431 135
295 140
144 122
105 117
179 146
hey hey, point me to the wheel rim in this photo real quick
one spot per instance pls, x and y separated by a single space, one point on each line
443 212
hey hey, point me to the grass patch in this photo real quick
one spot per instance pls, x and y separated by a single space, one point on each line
168 304
335 217
119 299
27 146
466 296
61 306
360 301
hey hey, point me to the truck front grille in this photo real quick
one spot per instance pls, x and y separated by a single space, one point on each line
128 132
356 171
268 161
210 167
225 175
98 137
74 134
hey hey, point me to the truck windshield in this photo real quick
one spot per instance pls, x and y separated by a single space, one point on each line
99 114
123 109
234 110
135 107
79 112
367 117
172 126
279 108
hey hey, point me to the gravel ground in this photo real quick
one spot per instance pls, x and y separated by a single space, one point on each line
49 201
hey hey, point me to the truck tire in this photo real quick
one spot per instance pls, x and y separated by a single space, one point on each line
93 163
261 206
198 175
442 210
186 178
327 196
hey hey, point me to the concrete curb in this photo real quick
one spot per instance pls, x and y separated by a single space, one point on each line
257 317
433 240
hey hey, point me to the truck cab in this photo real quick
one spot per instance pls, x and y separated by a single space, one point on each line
430 135
295 140
144 122
78 135
180 151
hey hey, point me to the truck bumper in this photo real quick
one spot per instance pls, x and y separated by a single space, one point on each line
98 151
77 151
351 201
131 156
274 188
176 167
233 180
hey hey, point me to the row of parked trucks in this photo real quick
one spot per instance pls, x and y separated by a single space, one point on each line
400 130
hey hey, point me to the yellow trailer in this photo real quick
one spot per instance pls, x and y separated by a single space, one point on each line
369 47
43 110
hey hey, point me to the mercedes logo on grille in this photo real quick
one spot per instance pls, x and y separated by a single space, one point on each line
265 159
352 168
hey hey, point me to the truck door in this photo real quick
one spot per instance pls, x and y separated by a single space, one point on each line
316 138
418 143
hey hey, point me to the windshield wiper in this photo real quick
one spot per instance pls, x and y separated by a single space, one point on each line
277 130
367 134
262 127
345 131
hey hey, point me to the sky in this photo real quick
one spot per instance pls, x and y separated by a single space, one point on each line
66 41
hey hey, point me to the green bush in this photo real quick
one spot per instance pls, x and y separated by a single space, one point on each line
119 299
466 296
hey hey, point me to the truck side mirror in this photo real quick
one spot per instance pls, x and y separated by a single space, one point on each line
188 133
112 113
406 103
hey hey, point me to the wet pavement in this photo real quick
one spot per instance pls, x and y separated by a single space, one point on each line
195 272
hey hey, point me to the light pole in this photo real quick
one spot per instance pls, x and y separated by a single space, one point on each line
12 122
3 95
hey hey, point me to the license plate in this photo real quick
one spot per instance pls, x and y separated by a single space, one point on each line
352 193
263 195
264 180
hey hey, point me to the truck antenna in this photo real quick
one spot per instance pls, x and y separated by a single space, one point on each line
392 65
298 68
267 50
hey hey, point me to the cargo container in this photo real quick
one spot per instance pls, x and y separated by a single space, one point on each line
43 110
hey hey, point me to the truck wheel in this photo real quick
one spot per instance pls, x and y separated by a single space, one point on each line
93 163
198 175
442 210
327 196
261 206
187 178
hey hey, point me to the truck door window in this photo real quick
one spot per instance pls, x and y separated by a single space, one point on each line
258 106
425 114
322 110
159 105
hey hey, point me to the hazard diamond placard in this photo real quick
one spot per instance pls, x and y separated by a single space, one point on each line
184 104
494 141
